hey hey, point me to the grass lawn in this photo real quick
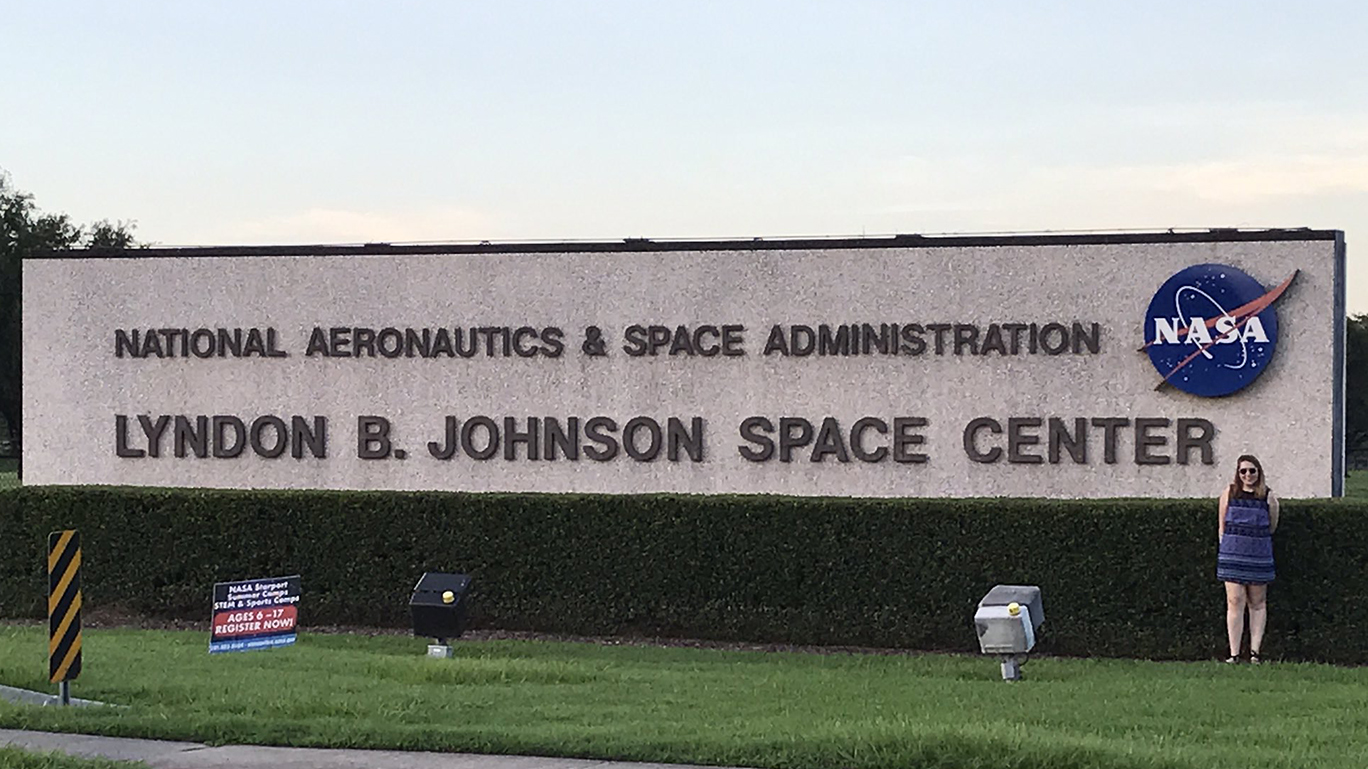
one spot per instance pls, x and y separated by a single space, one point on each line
703 706
1356 484
8 476
13 758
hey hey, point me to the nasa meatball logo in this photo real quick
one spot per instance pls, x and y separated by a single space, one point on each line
1211 329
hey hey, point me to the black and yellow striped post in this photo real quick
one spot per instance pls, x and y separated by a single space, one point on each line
64 609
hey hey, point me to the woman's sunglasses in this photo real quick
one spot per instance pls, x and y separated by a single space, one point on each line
1249 471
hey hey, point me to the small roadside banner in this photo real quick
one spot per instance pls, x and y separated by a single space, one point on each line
254 614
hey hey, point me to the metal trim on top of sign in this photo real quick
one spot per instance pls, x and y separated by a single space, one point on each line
706 244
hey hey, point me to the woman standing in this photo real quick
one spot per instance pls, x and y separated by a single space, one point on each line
1249 516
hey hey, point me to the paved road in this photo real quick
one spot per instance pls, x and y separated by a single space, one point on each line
190 755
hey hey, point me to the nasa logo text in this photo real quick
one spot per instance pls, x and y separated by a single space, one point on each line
1211 329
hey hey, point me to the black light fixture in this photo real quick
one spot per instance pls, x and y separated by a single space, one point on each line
438 606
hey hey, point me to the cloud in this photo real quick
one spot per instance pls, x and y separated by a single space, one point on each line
1256 153
336 225
1216 157
1244 180
974 195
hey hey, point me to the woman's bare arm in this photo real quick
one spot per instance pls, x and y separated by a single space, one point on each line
1221 508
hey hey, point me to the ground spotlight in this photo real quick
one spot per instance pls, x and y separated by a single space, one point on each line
1007 621
438 606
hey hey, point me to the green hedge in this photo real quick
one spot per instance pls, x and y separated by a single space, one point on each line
1128 578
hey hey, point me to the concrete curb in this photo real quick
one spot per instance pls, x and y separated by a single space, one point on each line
162 754
30 697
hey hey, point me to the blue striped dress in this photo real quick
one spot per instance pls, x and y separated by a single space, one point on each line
1246 552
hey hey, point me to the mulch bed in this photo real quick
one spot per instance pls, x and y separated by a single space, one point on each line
107 618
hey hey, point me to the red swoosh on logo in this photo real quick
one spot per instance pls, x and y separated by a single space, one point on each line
1244 312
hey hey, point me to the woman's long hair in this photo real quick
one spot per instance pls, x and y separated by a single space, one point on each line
1237 487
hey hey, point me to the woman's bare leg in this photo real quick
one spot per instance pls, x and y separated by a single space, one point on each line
1235 609
1258 616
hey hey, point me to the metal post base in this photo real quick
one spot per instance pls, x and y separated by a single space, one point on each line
65 689
439 651
1011 666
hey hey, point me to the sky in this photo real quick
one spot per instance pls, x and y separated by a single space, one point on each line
342 122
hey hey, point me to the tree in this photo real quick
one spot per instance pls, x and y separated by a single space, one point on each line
24 230
1356 383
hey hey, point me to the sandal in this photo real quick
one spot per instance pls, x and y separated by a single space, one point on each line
1254 658
1231 660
